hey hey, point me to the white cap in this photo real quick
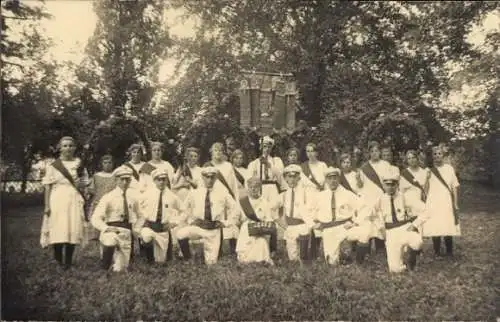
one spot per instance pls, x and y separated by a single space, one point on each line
123 171
292 169
159 173
209 170
330 171
391 174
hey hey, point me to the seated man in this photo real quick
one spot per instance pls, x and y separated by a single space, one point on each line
162 211
208 211
340 216
257 224
114 216
402 216
296 216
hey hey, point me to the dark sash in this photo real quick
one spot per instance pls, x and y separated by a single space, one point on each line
186 171
239 176
59 166
134 172
147 168
372 175
411 179
223 180
334 223
248 209
292 221
345 183
307 171
440 178
121 224
399 223
207 224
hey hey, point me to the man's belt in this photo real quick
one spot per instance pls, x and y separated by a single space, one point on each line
121 224
399 223
156 226
334 223
292 221
207 224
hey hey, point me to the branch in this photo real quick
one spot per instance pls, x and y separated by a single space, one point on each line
16 18
11 63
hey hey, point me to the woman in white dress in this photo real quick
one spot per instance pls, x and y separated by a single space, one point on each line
238 159
292 156
313 180
442 204
157 162
350 178
65 182
255 208
414 180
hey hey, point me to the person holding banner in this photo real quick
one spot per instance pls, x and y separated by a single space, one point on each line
162 212
237 159
340 215
64 183
269 169
372 188
257 219
226 179
297 215
414 179
188 175
402 216
116 217
209 209
313 179
442 204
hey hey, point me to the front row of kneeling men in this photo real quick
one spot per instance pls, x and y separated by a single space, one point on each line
210 214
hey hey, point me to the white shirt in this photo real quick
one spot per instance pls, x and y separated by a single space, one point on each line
222 205
110 208
406 207
264 210
172 211
347 205
302 208
275 172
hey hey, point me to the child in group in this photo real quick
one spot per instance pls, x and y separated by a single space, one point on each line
101 183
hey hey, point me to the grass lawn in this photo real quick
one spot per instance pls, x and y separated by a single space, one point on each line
463 288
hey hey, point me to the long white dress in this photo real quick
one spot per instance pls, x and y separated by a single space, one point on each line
409 189
255 249
197 178
65 223
439 204
242 188
318 172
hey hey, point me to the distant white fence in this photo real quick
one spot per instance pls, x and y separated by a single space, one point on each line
15 186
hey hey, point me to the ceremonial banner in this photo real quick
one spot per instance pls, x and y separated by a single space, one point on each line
267 101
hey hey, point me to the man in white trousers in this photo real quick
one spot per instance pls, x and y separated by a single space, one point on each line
206 209
115 216
403 217
341 215
162 212
297 215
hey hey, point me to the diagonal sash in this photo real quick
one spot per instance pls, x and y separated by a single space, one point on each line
59 166
345 183
248 209
436 172
307 171
239 176
411 179
134 172
372 174
222 180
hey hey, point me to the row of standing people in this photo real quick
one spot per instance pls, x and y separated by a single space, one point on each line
365 183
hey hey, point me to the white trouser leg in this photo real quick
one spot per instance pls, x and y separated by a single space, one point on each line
210 239
332 239
291 235
396 240
122 242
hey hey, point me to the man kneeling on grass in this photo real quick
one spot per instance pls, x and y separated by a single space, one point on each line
257 226
162 211
208 210
340 215
402 215
115 216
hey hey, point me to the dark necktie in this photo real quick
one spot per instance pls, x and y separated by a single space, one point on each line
159 212
266 169
334 206
125 207
292 204
208 209
393 211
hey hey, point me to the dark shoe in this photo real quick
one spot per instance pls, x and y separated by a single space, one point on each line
412 259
